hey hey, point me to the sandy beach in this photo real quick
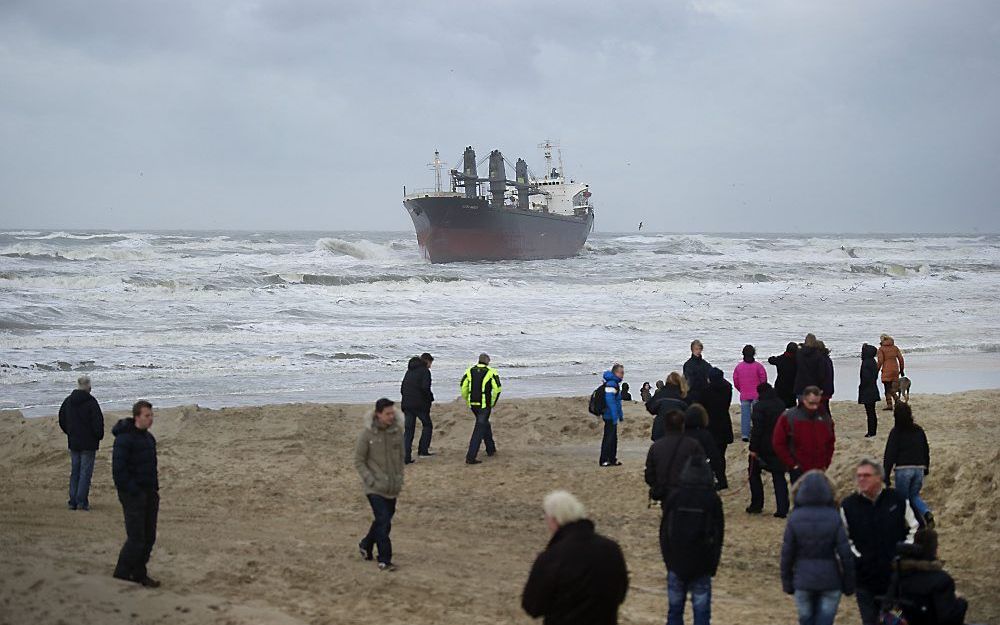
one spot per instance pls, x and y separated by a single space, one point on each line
261 511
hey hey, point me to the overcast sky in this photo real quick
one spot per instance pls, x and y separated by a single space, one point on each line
700 115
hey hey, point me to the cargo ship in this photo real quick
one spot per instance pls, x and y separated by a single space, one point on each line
493 218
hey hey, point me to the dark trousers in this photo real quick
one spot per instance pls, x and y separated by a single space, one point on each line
140 510
757 488
868 606
872 414
609 444
794 475
409 429
723 482
482 432
378 534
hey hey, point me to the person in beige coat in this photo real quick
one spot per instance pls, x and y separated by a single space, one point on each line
890 362
378 457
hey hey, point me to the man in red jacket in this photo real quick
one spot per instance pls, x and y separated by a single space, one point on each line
803 436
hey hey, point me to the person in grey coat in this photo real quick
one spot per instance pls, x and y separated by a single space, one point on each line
817 565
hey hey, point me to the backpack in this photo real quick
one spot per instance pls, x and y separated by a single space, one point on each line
598 403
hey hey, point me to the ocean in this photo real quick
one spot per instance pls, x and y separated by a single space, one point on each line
237 318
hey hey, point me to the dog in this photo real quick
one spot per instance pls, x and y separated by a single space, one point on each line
901 389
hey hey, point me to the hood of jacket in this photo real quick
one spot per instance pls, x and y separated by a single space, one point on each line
906 564
611 377
368 420
124 425
79 397
769 393
888 339
415 363
868 351
814 489
697 474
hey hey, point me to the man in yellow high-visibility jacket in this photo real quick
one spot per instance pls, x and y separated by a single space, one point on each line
480 389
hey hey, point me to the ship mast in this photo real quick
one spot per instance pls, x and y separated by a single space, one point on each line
436 166
547 146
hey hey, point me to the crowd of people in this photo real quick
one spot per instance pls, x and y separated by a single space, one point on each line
879 544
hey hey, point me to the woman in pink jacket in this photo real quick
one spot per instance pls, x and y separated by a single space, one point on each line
746 377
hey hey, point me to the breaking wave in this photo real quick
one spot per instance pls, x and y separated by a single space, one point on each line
362 250
331 280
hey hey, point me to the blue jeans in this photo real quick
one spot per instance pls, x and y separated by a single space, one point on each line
482 432
701 599
908 483
817 607
378 534
746 407
609 444
82 469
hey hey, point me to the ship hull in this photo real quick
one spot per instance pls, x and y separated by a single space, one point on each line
454 229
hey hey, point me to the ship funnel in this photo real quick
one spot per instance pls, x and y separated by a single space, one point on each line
469 171
498 179
521 174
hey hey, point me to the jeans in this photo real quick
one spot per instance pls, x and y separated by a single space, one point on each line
872 415
908 483
409 429
378 534
141 510
868 606
757 488
482 432
817 607
609 444
701 599
746 408
81 470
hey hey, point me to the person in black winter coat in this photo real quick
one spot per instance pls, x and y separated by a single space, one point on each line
763 418
868 394
784 383
696 427
810 367
920 585
81 419
581 576
671 396
908 453
816 560
416 400
696 369
133 467
691 535
717 397
668 456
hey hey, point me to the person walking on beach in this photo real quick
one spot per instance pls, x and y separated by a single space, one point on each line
877 517
890 362
804 437
133 467
378 458
868 387
784 383
480 389
612 415
763 420
747 376
696 369
908 453
671 396
691 534
668 456
717 397
581 576
417 398
817 565
926 591
646 392
696 427
81 419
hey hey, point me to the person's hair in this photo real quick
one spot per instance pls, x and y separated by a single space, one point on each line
698 343
676 379
884 337
625 386
484 358
426 357
812 390
673 421
139 405
810 340
903 416
875 465
698 409
645 384
617 366
383 403
659 384
764 387
927 540
749 351
792 347
83 383
563 507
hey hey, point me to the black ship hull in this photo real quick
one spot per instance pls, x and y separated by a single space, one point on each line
451 229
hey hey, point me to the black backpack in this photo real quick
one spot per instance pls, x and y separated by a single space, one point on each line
598 403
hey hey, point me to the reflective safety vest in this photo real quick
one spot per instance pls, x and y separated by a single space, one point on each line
480 386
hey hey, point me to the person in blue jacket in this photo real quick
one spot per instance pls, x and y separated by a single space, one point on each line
612 415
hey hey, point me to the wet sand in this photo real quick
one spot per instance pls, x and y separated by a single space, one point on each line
261 511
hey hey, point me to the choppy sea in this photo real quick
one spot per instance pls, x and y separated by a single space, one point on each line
232 318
